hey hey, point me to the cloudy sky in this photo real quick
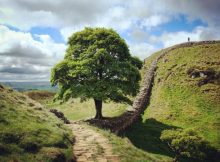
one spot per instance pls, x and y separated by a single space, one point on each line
33 34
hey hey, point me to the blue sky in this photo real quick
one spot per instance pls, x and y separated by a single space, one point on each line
175 25
54 33
181 24
34 33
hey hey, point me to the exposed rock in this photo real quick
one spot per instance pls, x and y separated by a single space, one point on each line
60 115
201 74
205 76
193 76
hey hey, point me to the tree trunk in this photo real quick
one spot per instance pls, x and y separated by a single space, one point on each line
98 107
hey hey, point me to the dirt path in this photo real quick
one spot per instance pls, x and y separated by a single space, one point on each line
91 146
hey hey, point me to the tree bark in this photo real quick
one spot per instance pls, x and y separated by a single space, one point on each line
98 107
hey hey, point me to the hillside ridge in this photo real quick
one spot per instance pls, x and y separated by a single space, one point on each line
141 101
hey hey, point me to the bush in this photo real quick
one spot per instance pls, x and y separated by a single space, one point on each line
188 144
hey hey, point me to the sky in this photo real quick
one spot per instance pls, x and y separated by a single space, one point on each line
34 34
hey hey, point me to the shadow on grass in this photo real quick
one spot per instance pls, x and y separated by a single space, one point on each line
146 136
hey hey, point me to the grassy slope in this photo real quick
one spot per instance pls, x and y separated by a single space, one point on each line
128 152
177 100
28 132
75 110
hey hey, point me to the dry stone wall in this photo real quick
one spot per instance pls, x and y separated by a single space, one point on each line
141 101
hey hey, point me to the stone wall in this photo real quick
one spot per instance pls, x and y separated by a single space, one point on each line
141 101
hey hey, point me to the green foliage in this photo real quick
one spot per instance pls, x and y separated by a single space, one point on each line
97 65
188 143
137 62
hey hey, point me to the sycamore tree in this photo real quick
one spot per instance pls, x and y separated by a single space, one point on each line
97 65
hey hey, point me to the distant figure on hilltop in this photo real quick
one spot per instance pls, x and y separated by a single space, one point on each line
188 39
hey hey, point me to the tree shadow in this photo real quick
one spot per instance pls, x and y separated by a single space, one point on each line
146 136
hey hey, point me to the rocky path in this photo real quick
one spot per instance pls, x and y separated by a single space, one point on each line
91 146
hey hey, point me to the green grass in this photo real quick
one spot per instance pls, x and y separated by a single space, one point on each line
178 100
30 133
125 147
146 136
74 109
128 151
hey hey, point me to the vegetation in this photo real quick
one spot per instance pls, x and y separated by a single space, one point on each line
75 109
127 151
189 144
177 102
30 133
39 94
185 97
125 147
97 65
177 97
28 86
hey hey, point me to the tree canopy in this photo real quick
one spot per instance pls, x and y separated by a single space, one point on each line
97 65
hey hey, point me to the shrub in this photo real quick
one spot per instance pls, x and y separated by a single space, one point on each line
188 144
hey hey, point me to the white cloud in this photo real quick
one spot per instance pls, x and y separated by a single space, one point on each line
138 35
155 20
68 31
116 13
198 34
60 13
170 39
21 54
136 18
142 50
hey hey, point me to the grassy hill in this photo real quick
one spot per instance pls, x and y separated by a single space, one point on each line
30 133
76 110
185 94
34 85
186 91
